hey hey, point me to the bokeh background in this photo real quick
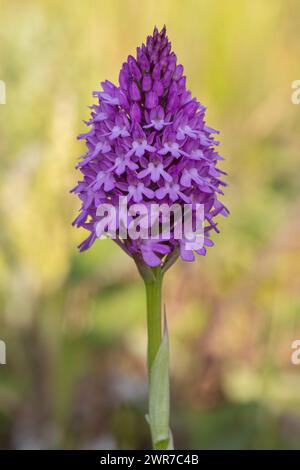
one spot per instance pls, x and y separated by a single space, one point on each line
74 324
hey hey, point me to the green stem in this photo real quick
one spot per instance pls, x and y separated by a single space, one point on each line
158 356
154 326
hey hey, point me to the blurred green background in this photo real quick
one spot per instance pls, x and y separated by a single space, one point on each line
74 324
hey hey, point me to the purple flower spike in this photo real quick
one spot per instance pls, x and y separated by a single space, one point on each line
151 100
149 142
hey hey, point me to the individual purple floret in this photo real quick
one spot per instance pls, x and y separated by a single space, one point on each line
148 141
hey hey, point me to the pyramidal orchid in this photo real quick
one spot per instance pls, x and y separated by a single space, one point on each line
149 145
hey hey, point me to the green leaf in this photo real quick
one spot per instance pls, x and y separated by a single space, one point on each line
159 396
